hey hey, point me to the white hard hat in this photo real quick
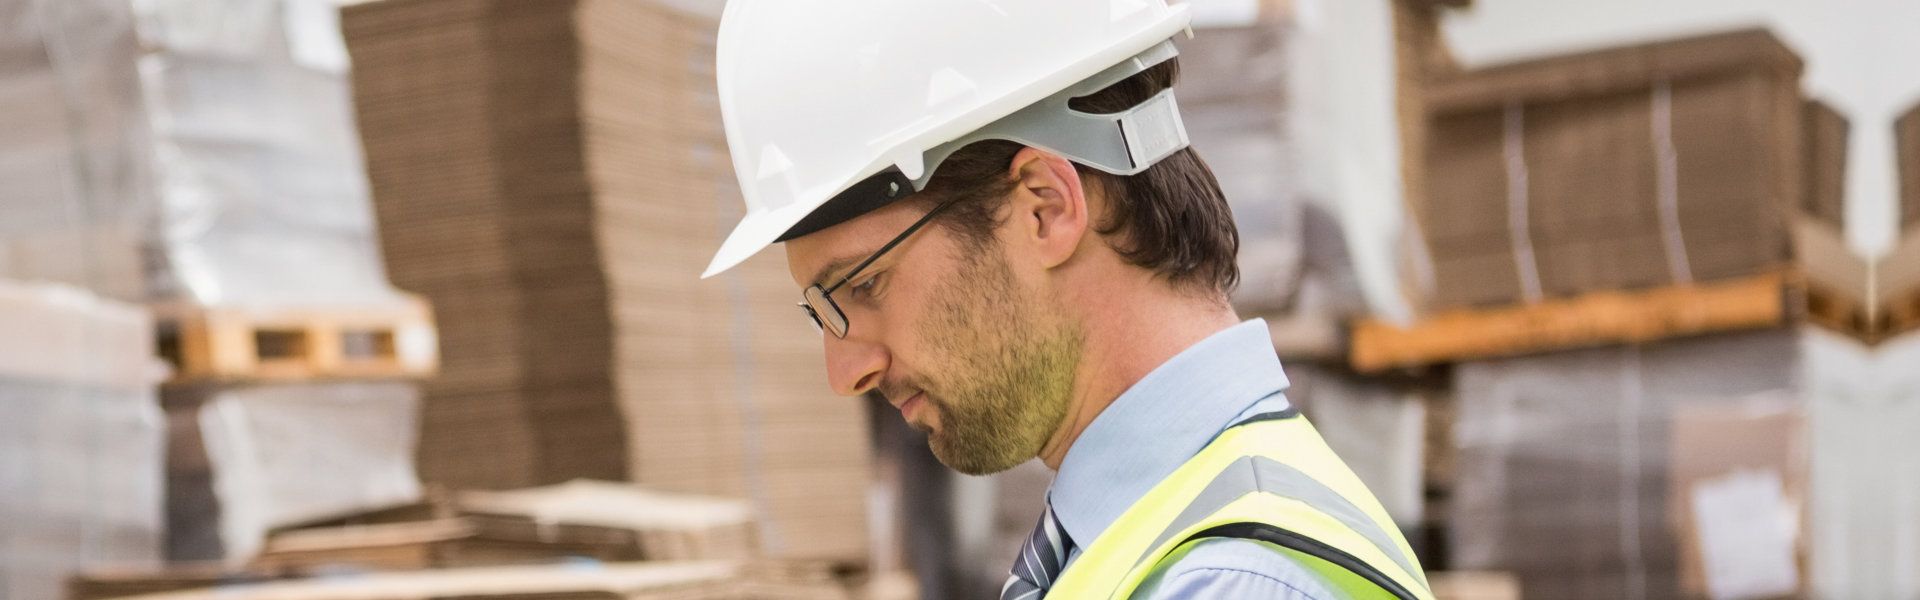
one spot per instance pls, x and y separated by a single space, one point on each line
836 108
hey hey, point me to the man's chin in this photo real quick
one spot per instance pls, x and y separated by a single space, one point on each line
965 463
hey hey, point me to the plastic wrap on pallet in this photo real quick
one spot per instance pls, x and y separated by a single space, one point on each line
74 178
1563 459
262 190
81 443
1865 418
198 150
277 455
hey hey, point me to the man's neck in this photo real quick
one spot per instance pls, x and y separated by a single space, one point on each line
1127 337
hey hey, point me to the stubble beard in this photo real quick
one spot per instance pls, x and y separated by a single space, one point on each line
1006 362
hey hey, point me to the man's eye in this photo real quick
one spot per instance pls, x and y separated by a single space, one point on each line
865 287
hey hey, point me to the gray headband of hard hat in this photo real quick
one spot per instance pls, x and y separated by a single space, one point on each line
1122 143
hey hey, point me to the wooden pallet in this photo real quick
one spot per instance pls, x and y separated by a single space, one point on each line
1900 315
1844 313
1897 283
226 343
1588 320
1838 282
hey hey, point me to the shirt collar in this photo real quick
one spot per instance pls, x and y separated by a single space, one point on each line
1159 423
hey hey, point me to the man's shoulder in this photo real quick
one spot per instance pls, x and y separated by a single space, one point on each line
1234 568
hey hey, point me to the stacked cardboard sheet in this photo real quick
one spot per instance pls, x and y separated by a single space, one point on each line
685 580
1666 163
1581 472
556 175
603 521
1826 160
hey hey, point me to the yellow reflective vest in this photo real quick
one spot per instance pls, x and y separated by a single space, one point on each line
1270 479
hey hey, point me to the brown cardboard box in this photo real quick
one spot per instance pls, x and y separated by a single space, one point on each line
1583 202
1713 441
554 176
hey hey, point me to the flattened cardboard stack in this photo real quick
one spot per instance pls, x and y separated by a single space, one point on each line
554 177
1572 466
1627 168
1826 147
684 580
586 519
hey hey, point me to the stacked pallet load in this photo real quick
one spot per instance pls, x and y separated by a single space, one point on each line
291 399
82 438
1623 240
1664 470
1619 195
554 177
209 170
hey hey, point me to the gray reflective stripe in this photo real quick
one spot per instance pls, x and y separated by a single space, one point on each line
1252 474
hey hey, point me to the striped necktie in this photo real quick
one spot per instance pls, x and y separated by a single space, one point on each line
1040 560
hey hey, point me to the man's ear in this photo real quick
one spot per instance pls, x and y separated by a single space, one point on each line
1050 210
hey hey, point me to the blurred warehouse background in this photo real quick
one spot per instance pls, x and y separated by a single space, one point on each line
399 300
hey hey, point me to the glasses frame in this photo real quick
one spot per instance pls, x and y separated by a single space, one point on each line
818 301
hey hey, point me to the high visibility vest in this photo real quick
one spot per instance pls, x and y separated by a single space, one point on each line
1270 479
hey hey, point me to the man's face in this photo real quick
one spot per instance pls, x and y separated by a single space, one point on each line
949 333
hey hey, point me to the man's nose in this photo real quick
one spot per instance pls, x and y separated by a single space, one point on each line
854 366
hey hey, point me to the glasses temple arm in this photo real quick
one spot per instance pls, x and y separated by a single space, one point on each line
895 242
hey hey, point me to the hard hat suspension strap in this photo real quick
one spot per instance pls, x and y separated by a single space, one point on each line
1121 143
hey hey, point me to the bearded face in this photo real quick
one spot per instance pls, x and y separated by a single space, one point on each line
999 372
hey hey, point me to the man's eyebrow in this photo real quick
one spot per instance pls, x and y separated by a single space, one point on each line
834 267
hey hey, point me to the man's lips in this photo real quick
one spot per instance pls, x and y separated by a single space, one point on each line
912 403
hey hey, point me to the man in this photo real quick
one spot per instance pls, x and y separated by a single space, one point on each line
1069 301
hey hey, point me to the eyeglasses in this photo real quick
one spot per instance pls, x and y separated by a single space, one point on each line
819 302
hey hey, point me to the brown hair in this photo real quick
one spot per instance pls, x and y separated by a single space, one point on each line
1171 218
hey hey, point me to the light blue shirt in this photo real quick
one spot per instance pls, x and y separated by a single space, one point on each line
1150 431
